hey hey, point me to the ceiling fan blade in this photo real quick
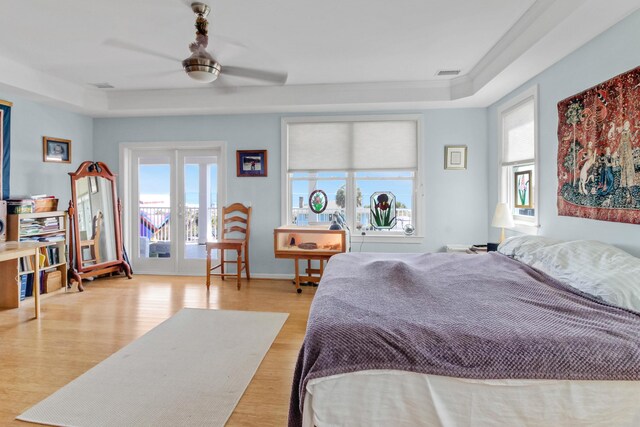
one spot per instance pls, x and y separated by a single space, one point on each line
252 73
120 44
222 83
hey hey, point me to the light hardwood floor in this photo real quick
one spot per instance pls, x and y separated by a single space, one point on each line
78 330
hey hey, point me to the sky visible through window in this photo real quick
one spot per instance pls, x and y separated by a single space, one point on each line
154 183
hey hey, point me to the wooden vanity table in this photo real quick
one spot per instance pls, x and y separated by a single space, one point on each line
308 243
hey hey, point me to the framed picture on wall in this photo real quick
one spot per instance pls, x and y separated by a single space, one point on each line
455 157
56 150
251 163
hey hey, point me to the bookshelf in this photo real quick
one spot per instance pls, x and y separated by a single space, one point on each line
48 229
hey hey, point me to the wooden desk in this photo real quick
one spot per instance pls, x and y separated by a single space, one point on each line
328 242
10 253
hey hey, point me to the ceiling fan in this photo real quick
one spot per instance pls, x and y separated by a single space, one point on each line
201 66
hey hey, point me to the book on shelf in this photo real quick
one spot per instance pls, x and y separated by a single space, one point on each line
53 253
23 287
42 258
29 285
25 264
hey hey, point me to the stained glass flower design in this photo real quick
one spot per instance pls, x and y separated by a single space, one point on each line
318 201
383 210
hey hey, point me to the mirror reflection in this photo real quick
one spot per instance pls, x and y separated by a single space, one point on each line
96 222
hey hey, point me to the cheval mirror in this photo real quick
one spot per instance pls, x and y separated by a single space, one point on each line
94 216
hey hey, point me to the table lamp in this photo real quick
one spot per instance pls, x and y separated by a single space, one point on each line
502 218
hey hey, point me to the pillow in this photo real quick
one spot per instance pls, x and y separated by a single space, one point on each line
593 267
520 246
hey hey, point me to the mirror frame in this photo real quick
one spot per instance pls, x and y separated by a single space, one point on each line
76 270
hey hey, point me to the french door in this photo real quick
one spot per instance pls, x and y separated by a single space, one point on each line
174 208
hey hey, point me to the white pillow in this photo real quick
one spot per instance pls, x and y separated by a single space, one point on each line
520 246
593 267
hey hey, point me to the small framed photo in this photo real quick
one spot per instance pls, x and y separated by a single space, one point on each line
523 198
455 157
56 150
251 163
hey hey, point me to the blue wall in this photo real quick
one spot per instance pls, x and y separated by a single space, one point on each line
454 208
613 52
30 121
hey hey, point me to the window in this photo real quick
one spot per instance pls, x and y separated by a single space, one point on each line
518 164
351 159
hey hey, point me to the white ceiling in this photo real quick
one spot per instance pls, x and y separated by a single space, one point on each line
340 55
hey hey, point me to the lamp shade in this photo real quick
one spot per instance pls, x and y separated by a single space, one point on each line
502 217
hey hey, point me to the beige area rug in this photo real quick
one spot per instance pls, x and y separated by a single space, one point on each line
191 370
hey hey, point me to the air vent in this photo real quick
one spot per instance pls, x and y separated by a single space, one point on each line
448 73
102 85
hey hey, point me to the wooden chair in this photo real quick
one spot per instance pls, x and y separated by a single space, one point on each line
232 224
94 243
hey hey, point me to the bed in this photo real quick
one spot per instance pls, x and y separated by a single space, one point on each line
542 333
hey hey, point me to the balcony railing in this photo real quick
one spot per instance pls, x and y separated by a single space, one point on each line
155 223
301 215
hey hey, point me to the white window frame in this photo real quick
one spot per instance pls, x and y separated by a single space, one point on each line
356 235
528 225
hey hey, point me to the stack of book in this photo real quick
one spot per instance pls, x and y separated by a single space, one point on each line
50 224
31 229
29 226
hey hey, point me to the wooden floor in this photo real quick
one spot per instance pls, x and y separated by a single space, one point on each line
76 331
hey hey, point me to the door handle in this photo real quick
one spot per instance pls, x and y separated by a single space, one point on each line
180 210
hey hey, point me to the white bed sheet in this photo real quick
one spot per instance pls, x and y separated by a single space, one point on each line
400 398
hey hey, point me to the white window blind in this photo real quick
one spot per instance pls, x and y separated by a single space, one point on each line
519 136
351 146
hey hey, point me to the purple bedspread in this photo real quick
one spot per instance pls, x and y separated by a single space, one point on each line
481 316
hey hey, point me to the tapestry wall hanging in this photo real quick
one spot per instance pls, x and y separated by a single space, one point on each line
5 142
599 151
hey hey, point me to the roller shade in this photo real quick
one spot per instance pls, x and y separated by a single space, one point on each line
348 146
519 133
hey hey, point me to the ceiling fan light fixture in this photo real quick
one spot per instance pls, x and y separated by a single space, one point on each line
202 70
202 76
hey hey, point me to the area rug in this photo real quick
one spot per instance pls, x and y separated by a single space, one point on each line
191 370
